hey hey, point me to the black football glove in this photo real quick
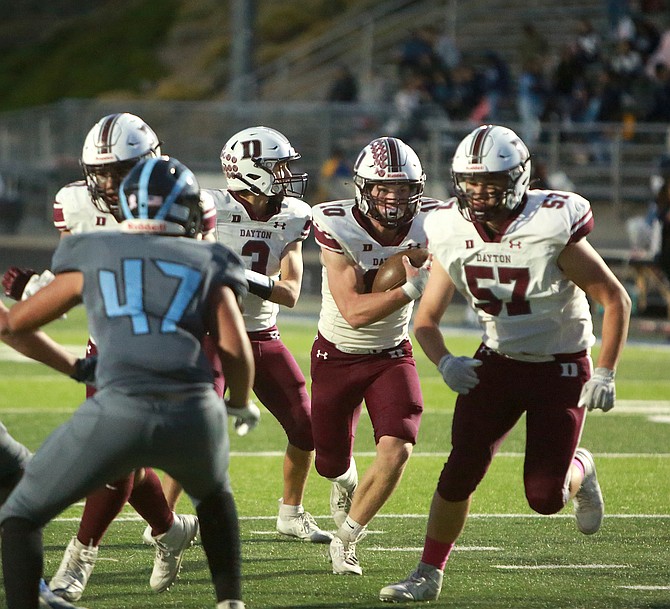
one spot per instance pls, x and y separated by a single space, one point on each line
84 370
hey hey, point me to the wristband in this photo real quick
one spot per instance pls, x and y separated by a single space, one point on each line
259 285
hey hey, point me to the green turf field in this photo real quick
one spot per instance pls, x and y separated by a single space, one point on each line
507 558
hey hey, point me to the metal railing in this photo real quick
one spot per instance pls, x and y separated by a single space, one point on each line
40 147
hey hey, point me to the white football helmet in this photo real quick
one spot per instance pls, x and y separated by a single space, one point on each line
111 149
248 161
491 149
386 161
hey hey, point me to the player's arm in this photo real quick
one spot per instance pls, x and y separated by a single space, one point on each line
40 347
233 346
346 285
583 265
458 372
52 301
286 291
432 306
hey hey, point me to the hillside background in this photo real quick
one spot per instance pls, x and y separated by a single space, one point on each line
172 49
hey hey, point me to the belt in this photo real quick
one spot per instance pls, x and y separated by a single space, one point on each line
357 351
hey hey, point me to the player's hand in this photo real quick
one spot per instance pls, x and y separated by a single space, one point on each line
246 418
14 281
599 391
84 370
459 372
417 278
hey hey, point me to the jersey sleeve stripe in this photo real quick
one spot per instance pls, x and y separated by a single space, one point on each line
582 227
326 241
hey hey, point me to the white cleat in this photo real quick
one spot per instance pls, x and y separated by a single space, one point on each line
49 600
72 575
303 527
170 548
588 502
230 605
422 585
340 503
343 557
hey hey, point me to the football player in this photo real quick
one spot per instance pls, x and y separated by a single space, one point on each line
150 296
113 146
260 215
363 337
14 456
521 259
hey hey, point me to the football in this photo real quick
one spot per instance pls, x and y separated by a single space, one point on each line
391 273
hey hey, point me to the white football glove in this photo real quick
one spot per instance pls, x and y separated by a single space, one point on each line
416 283
599 391
36 283
459 372
246 418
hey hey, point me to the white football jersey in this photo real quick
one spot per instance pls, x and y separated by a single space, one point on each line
260 243
74 211
337 228
524 303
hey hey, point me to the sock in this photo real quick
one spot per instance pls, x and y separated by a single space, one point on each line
220 537
436 553
22 562
149 502
101 507
286 512
351 531
579 465
349 479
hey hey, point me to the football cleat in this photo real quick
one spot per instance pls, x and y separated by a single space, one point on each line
230 605
170 547
304 527
588 502
340 503
422 585
343 556
72 575
48 600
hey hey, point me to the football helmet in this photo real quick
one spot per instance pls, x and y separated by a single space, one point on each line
161 195
384 162
494 152
111 148
249 159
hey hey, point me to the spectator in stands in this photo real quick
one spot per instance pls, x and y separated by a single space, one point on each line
588 43
659 110
417 53
532 93
533 47
496 84
344 87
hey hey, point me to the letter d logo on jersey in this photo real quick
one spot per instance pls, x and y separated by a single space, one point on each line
569 369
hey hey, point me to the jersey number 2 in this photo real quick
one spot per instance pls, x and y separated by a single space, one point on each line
133 287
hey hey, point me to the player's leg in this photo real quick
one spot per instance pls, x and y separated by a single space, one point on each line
555 470
481 421
394 403
199 460
280 387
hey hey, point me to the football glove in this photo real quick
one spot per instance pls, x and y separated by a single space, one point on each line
84 370
459 372
415 284
246 418
14 281
599 391
21 284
